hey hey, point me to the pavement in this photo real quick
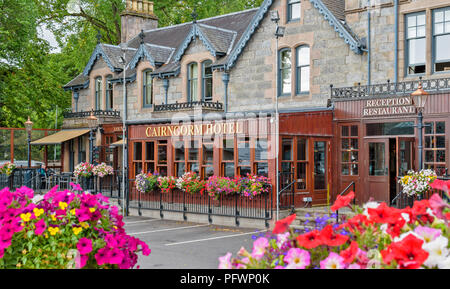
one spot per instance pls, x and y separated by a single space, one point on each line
185 245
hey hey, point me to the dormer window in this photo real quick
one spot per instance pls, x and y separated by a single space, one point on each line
193 82
207 80
147 88
294 10
98 93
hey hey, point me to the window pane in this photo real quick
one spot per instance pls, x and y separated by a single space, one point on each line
286 167
208 172
354 130
244 152
301 149
354 170
377 159
320 177
228 170
261 150
286 150
345 170
179 169
301 176
304 79
162 154
429 127
429 142
442 47
439 16
417 51
262 169
345 131
440 156
345 157
440 142
421 31
208 154
137 168
354 144
390 128
421 19
137 151
303 57
228 150
286 81
179 151
193 151
286 59
295 11
429 156
244 171
208 89
412 20
440 127
150 151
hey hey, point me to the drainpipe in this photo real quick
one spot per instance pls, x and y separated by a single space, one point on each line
396 42
226 80
369 48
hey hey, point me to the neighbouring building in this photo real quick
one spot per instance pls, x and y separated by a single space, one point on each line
202 96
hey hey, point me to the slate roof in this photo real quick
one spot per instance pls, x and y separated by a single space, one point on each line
225 36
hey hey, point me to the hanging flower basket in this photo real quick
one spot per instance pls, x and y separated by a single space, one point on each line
417 183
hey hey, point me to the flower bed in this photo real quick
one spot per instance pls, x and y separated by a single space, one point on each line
146 183
166 184
217 186
64 230
376 237
191 183
253 185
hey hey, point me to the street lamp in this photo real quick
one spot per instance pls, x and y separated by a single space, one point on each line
123 61
29 128
92 123
420 97
279 32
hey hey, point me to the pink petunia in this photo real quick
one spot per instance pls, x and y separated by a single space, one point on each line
84 246
297 259
115 256
40 227
81 261
102 256
333 261
259 248
76 187
225 262
83 214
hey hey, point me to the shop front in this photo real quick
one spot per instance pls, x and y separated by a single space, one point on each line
377 141
240 146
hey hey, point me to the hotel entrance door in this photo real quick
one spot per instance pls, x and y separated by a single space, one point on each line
388 159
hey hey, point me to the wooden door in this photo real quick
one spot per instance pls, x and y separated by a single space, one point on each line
320 171
377 166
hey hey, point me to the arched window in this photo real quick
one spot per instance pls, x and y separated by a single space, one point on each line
193 82
98 93
284 72
207 80
303 69
109 93
147 91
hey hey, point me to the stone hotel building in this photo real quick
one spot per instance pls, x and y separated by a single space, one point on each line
204 95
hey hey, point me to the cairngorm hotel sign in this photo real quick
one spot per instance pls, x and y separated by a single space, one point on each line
195 130
389 107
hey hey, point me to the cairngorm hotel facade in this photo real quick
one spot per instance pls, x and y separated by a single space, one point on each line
204 95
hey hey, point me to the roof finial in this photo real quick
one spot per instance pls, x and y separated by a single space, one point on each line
99 37
142 36
194 15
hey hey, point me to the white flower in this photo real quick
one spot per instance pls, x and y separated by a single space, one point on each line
369 205
438 251
445 263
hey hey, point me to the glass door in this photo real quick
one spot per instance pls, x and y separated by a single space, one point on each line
378 170
320 170
405 155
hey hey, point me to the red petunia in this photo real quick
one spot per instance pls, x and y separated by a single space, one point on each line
383 214
282 225
309 240
342 201
441 185
350 253
407 253
330 238
420 207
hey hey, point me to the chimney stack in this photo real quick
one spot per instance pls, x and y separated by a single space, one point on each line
138 15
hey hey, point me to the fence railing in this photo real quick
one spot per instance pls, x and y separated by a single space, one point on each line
237 206
286 193
189 105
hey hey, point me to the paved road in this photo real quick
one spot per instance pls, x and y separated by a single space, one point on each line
184 245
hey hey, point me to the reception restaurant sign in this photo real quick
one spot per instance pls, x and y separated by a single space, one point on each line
389 106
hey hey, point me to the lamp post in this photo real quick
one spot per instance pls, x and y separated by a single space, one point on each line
279 32
92 123
29 128
123 47
420 97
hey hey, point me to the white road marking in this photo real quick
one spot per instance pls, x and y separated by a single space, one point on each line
165 230
215 238
140 222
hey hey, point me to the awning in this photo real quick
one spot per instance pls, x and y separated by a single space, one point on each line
60 137
117 143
